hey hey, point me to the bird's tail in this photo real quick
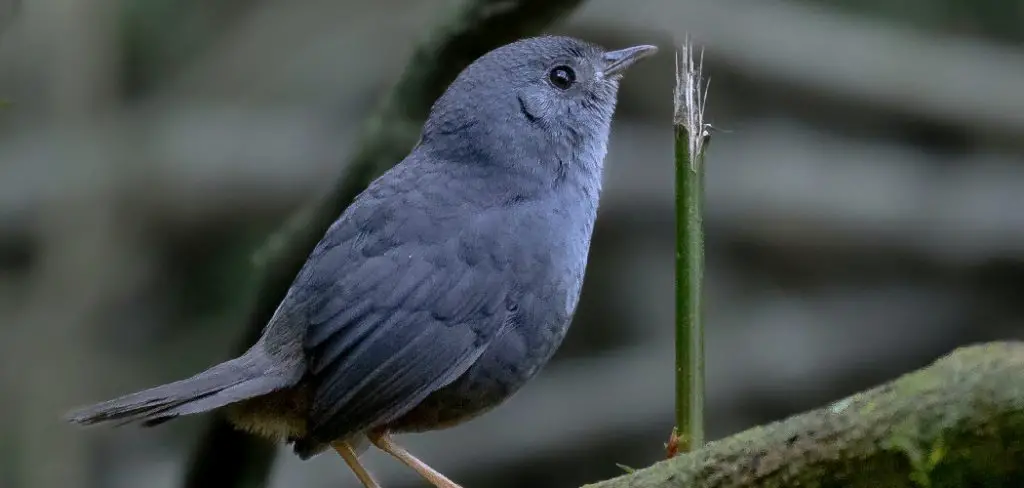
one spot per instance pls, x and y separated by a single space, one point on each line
245 377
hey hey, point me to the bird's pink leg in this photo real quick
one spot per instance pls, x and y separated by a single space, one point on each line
352 460
384 442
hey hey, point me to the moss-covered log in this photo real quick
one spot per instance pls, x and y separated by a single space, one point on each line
957 423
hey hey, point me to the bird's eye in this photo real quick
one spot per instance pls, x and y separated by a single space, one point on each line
562 77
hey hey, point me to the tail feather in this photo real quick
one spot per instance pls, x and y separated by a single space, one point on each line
232 394
225 383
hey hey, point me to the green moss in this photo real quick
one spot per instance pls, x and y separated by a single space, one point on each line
958 423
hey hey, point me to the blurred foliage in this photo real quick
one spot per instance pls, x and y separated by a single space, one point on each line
998 20
217 266
8 10
160 36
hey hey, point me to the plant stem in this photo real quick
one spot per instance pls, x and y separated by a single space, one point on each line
689 276
691 137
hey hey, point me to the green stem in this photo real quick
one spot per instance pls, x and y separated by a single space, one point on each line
691 138
689 291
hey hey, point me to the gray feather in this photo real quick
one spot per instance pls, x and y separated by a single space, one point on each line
376 347
238 379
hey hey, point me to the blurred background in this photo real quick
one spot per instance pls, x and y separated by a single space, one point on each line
864 215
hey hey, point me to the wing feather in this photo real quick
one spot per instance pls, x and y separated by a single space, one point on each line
376 348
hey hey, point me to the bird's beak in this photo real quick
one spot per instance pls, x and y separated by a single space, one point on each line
616 62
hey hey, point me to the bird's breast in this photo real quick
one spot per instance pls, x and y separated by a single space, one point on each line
550 246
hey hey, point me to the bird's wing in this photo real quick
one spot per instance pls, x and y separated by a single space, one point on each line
397 325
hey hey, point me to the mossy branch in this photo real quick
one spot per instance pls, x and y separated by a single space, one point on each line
957 423
226 458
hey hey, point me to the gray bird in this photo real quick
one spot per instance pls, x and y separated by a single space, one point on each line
446 285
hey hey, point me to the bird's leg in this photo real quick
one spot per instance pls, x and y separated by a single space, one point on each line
352 460
383 441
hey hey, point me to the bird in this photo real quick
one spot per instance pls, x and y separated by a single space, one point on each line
445 286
